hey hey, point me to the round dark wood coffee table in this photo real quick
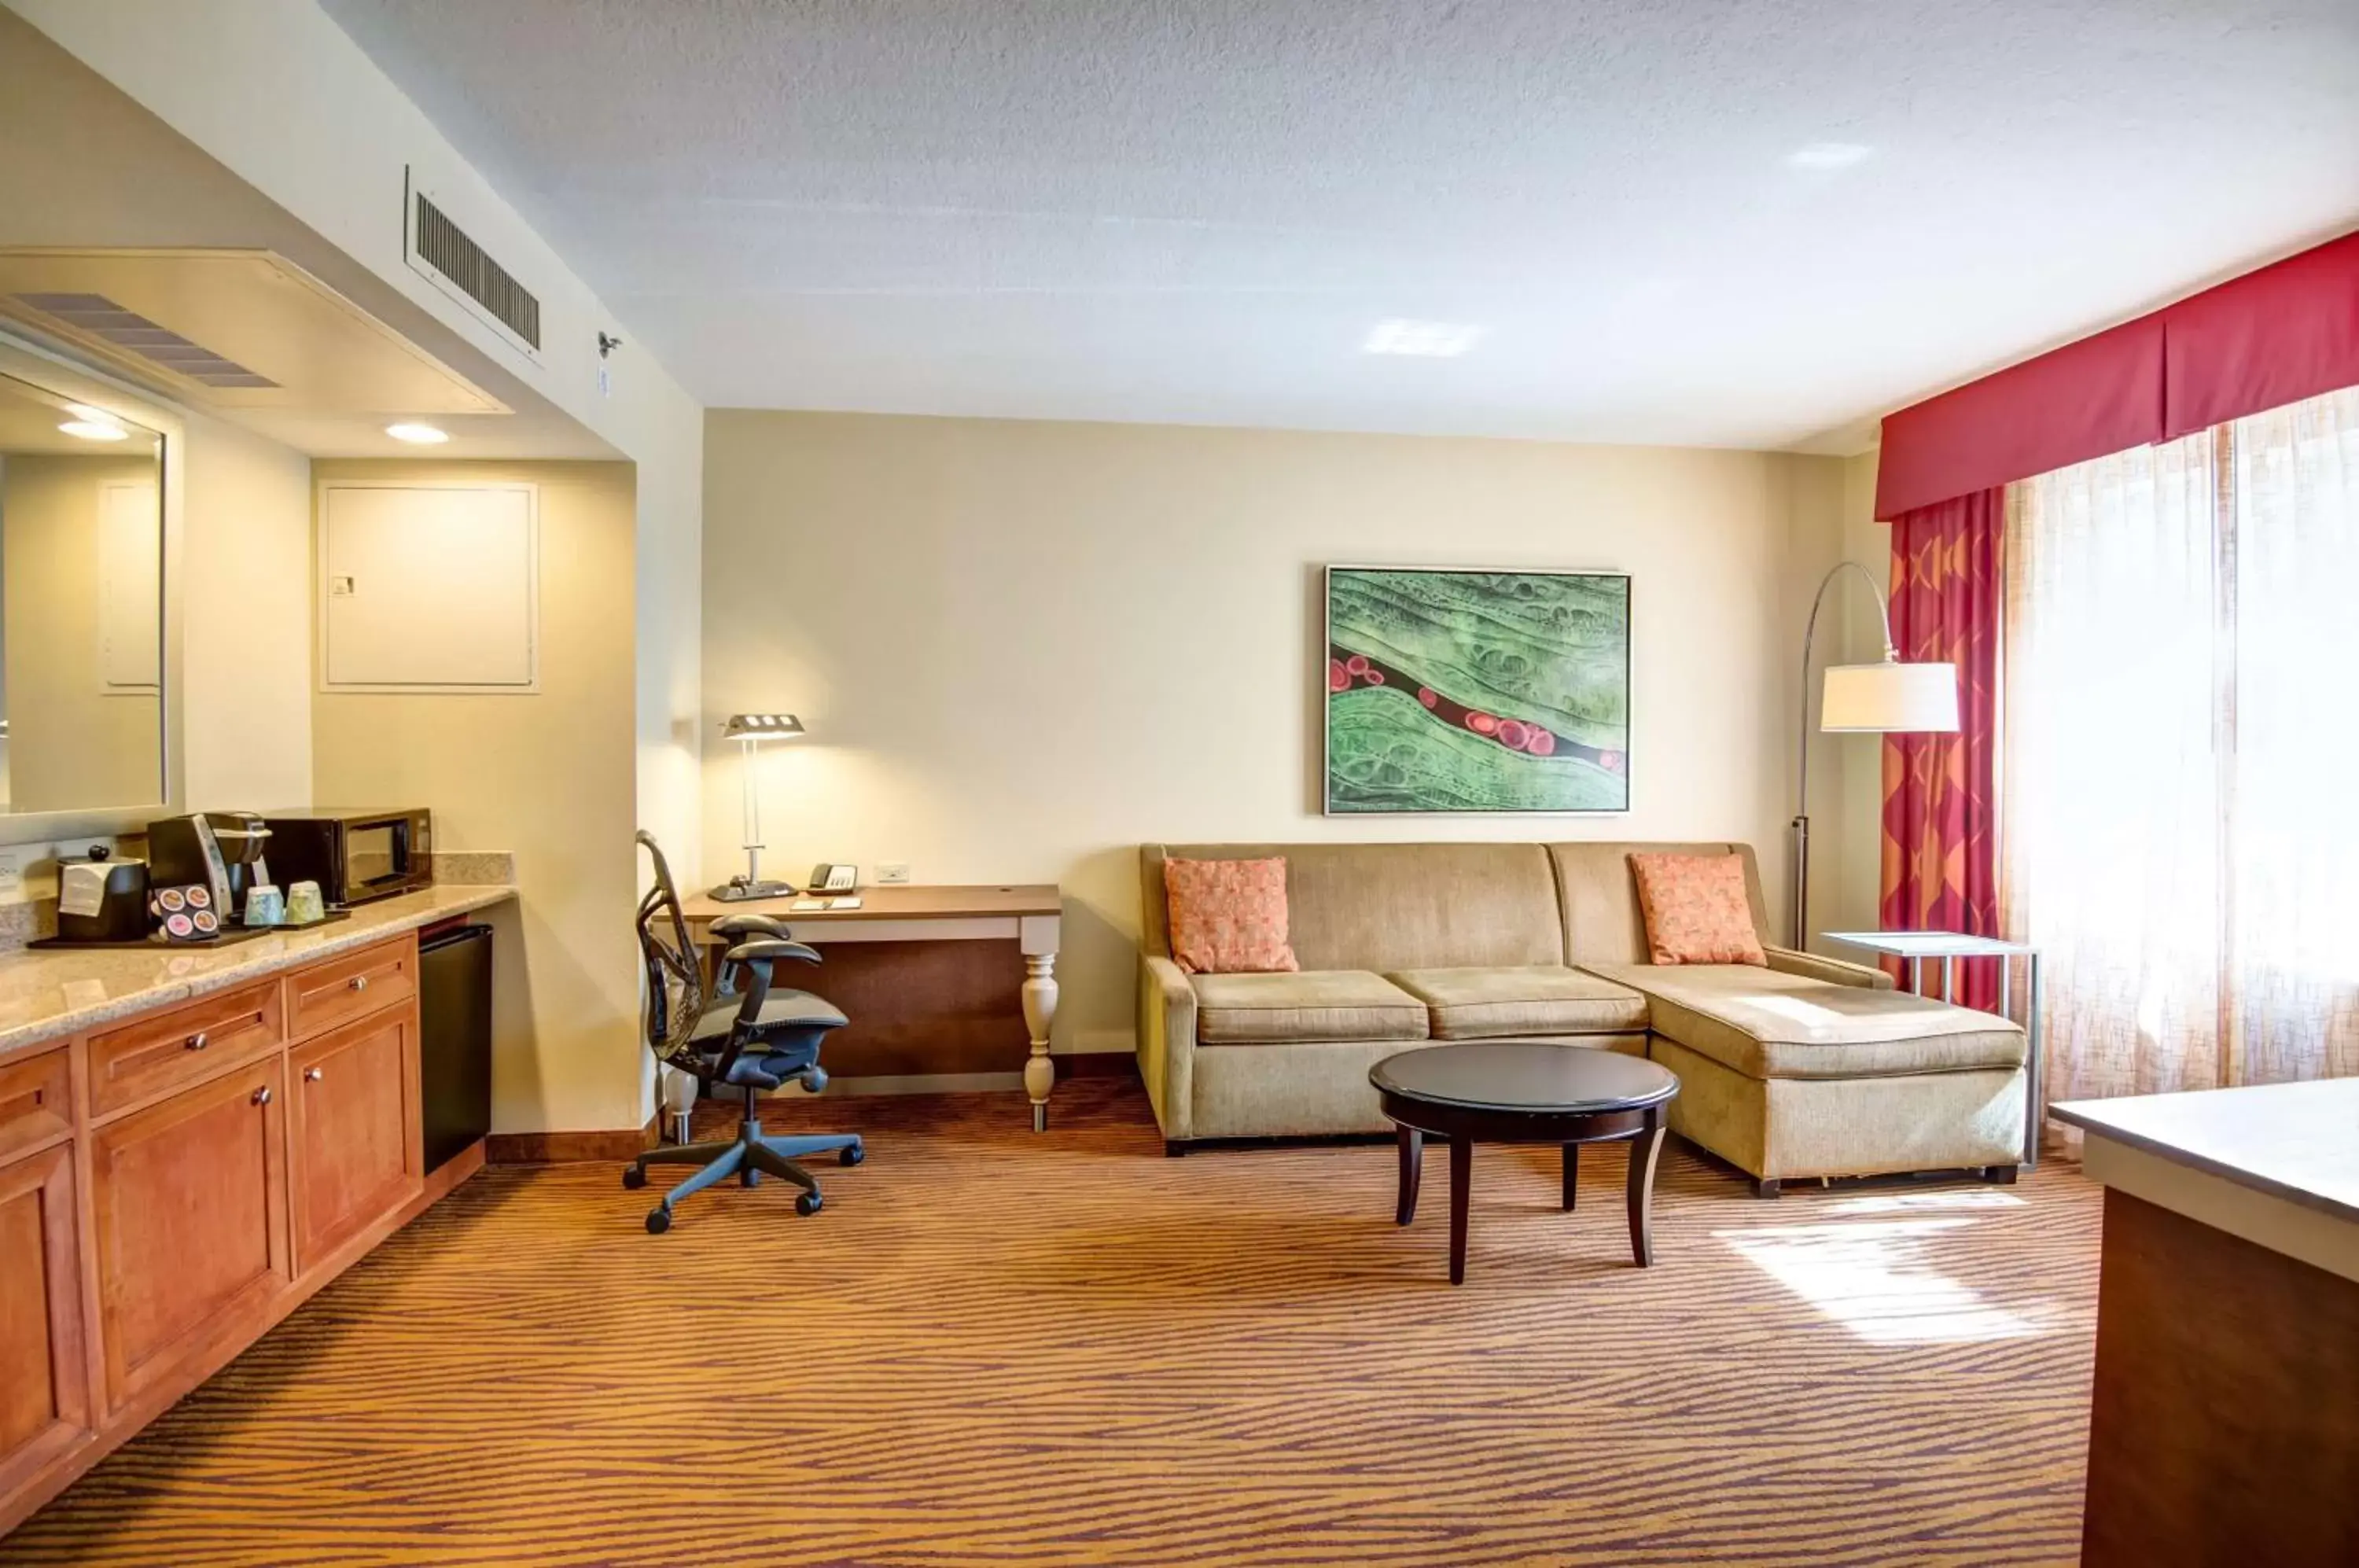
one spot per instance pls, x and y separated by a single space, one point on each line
1525 1091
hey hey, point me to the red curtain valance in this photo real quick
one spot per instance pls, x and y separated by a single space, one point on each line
2288 332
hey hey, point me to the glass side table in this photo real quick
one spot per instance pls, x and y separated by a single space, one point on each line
1916 947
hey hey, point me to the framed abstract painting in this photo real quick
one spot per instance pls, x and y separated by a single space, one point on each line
1457 691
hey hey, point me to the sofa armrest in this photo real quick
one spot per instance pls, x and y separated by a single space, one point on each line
1786 961
1166 1042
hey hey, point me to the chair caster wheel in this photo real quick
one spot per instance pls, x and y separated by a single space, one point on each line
808 1204
658 1221
749 1178
634 1178
850 1156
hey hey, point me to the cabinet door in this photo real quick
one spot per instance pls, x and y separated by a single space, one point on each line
189 1200
353 1129
44 1385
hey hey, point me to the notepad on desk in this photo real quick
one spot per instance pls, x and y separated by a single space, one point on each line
850 901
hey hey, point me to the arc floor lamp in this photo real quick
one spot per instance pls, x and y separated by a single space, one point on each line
1884 698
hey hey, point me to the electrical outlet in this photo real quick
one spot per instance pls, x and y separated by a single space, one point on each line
11 871
892 871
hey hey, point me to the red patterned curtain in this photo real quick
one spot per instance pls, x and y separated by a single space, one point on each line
1941 800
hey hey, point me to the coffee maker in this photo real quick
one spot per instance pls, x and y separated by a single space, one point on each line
220 851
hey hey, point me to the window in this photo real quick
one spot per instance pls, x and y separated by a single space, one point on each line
2182 796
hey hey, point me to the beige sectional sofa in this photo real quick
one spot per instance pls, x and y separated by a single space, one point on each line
1811 1067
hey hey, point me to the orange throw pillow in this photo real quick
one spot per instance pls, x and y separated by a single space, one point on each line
1696 907
1228 917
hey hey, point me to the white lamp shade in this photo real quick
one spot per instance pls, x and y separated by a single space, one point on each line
1889 697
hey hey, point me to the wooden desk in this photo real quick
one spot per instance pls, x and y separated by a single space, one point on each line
1031 915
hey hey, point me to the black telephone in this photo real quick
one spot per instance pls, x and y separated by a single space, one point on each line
829 878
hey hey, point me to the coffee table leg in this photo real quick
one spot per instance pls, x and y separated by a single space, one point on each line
1462 1181
1412 1167
1571 1173
1643 1151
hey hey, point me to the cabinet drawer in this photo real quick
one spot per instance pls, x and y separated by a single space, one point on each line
35 1101
129 1062
342 989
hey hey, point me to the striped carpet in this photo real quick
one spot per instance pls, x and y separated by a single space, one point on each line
993 1348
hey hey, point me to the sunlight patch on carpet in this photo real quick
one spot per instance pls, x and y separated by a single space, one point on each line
1878 1279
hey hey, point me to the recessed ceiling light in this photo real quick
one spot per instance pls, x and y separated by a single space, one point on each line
1823 155
94 429
1425 340
418 435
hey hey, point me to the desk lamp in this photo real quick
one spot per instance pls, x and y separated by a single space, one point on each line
749 731
1884 698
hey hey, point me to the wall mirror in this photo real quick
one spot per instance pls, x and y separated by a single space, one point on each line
82 605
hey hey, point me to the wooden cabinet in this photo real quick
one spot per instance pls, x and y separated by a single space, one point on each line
330 994
174 1183
187 1197
44 1386
36 1102
131 1062
352 1129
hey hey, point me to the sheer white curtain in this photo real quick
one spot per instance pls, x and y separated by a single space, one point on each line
2295 916
2181 799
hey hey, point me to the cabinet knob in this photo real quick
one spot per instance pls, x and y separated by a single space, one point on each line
360 982
262 1096
312 1075
198 1041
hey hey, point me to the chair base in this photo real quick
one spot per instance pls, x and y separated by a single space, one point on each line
749 1157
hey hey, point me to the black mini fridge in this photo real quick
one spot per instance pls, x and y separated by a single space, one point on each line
455 1038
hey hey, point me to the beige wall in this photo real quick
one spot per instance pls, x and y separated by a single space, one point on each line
549 776
245 598
1021 649
73 744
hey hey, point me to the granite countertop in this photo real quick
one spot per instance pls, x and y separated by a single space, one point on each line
44 996
2296 1141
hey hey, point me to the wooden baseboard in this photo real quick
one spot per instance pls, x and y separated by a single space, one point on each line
568 1148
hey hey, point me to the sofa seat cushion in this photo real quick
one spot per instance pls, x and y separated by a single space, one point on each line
1316 1003
1521 999
1767 1025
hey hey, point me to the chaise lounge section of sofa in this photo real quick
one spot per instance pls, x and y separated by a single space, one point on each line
1807 1067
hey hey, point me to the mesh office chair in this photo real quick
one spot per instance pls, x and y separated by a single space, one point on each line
743 1033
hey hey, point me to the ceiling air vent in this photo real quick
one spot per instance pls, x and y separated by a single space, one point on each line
96 316
447 254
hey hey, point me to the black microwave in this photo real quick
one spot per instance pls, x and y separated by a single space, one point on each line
354 857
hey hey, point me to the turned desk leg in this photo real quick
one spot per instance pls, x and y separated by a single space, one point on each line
1039 1013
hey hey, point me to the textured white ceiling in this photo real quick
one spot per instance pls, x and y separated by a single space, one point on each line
1194 212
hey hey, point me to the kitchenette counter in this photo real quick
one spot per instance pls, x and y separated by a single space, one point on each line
48 995
2225 1412
2275 1164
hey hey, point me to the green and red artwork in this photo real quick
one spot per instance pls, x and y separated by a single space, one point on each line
1477 690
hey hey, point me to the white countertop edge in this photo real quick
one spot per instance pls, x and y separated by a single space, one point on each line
2299 1231
2297 1141
370 924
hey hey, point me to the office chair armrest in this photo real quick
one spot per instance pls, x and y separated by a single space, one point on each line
755 958
735 926
764 951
